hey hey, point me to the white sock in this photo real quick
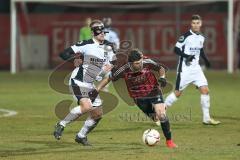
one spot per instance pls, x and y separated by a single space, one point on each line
72 115
88 126
171 98
205 103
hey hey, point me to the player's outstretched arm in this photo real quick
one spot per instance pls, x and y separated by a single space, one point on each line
67 54
103 83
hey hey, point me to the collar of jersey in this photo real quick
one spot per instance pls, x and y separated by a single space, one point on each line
96 42
194 32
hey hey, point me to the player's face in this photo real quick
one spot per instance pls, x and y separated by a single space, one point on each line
137 65
101 36
196 25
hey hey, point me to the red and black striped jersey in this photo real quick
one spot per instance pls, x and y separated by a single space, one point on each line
142 84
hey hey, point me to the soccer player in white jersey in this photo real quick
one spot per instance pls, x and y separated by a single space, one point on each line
189 48
97 53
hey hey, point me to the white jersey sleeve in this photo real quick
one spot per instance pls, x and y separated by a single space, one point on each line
78 47
181 42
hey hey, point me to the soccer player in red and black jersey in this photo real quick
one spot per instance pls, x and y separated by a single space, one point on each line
143 87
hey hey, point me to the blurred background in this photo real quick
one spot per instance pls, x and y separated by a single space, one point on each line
29 100
44 29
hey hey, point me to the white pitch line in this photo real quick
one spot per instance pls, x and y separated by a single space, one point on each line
7 113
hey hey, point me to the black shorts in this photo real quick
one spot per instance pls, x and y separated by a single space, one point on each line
146 105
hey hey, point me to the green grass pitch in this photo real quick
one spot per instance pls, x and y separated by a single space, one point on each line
28 135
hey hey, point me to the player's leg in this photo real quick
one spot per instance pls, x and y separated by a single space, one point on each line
160 111
202 84
172 98
181 83
146 106
85 106
205 104
90 123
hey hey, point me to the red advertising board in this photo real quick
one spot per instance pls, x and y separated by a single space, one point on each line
4 41
154 33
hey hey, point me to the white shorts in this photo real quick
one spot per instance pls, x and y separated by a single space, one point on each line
194 76
81 90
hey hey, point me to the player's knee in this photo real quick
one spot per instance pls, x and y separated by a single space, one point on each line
98 116
178 93
163 117
86 106
204 90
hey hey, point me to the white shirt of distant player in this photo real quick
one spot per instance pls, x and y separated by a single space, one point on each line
112 37
95 57
192 46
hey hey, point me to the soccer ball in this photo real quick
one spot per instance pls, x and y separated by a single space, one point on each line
151 137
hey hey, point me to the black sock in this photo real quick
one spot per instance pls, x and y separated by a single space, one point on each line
166 129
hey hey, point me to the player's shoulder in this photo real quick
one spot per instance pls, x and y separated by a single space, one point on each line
147 60
202 35
84 42
108 43
184 36
118 70
113 31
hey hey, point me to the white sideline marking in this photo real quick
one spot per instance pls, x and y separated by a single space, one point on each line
7 113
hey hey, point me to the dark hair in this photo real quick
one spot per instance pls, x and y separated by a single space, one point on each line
196 17
94 22
134 55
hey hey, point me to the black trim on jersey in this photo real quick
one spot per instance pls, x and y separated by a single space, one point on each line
181 40
79 75
106 42
76 90
178 81
154 64
204 57
184 36
180 53
67 54
84 42
180 65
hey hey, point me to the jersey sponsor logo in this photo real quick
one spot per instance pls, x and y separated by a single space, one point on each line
139 79
97 61
194 48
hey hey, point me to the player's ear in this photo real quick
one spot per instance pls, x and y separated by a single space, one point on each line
200 23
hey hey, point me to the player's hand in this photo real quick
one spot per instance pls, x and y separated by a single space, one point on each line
107 68
189 59
162 81
93 94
